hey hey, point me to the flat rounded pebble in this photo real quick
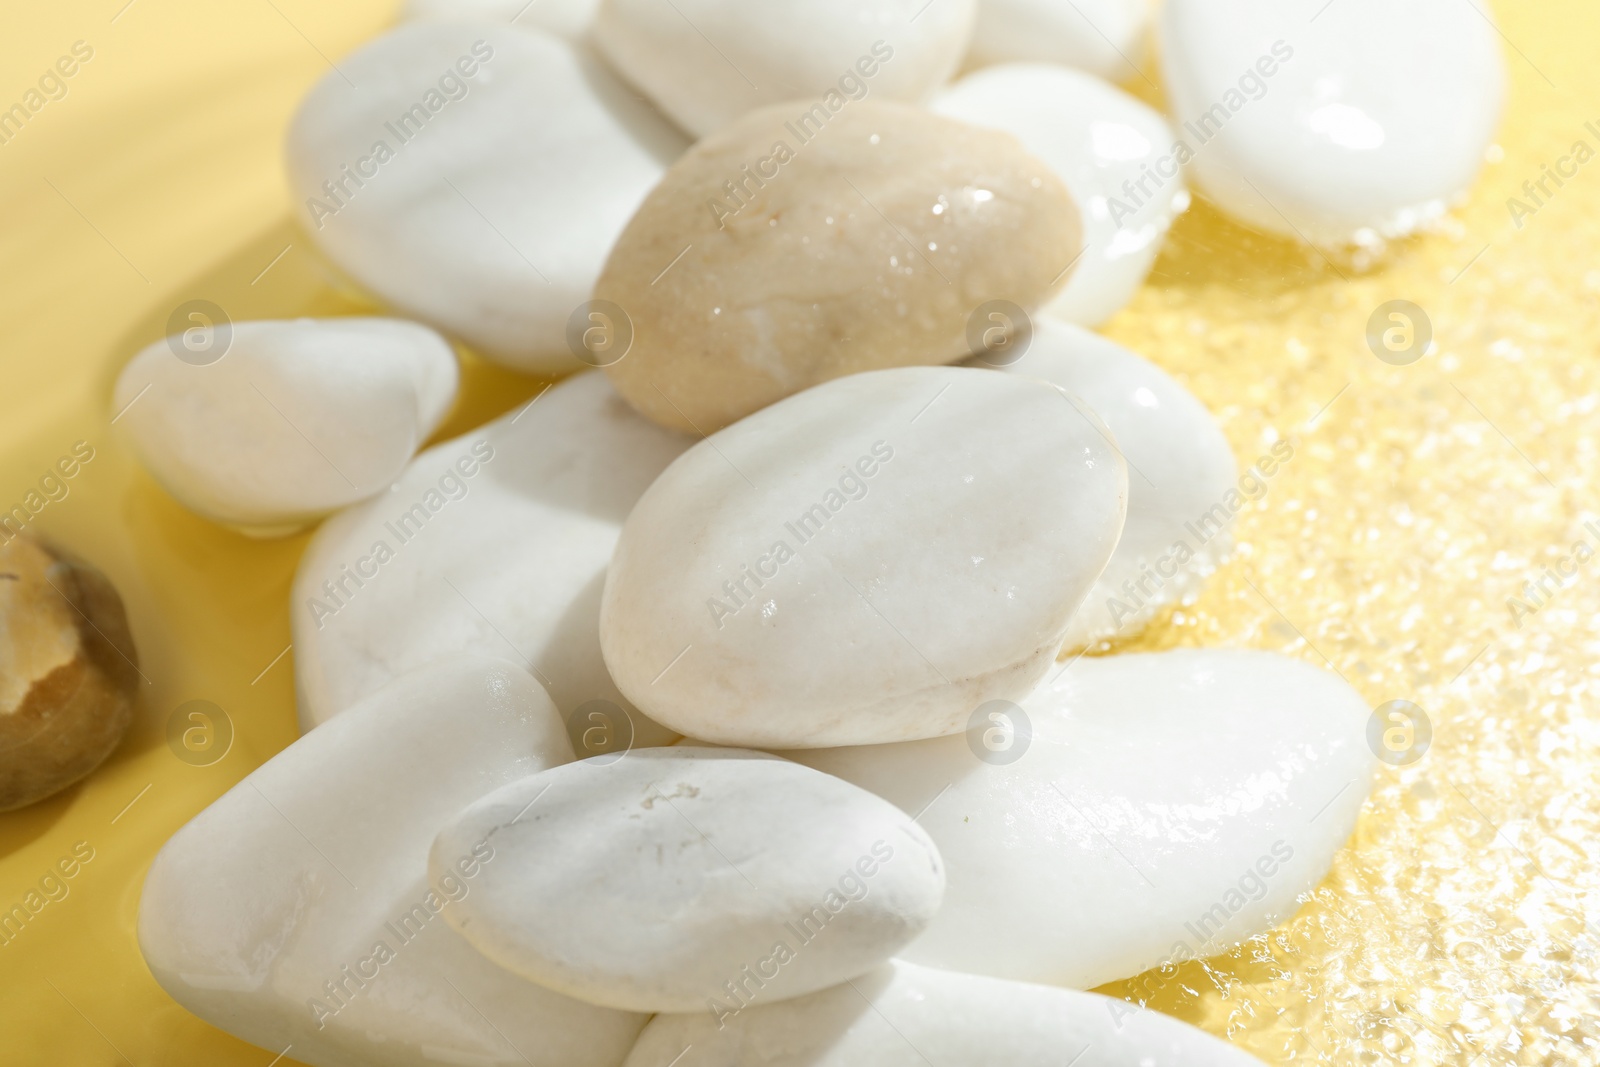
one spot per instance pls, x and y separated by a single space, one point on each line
496 542
867 561
1183 483
570 19
1364 125
1113 152
1140 810
707 62
872 244
474 176
1102 37
297 910
293 420
667 880
909 1016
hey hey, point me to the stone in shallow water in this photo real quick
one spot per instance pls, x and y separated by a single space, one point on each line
298 910
564 18
1183 484
909 1016
1113 152
867 561
707 62
496 542
660 882
1141 810
1103 37
283 422
870 244
475 175
1363 125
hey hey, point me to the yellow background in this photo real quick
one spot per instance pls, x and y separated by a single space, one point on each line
1459 926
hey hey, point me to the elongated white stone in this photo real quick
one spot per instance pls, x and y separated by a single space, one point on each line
909 1016
1183 484
866 561
496 542
706 62
1114 154
661 882
1102 37
1342 123
564 18
268 425
475 175
1140 810
297 910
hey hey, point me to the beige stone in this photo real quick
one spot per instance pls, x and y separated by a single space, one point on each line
67 672
802 244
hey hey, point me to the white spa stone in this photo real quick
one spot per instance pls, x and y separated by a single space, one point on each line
1181 473
866 561
491 221
496 542
1102 143
564 18
1363 125
659 882
706 62
282 422
1103 37
908 1016
1155 808
297 910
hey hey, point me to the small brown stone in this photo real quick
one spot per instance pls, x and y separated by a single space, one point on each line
68 671
810 255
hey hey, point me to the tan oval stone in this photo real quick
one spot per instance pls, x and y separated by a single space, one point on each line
799 245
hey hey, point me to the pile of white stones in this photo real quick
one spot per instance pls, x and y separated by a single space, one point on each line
841 801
